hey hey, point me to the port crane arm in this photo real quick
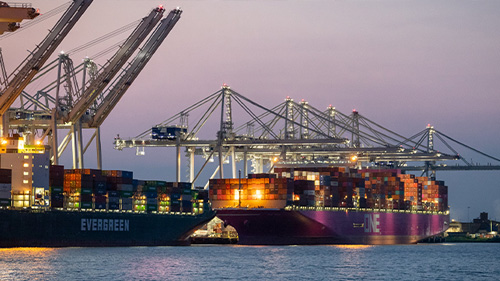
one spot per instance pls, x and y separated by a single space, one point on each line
132 71
21 77
464 145
114 65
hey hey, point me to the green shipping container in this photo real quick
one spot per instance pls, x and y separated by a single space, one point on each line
194 193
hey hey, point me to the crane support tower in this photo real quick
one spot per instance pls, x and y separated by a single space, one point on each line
90 92
127 77
21 77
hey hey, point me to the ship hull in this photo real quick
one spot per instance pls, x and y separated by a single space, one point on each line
96 229
303 227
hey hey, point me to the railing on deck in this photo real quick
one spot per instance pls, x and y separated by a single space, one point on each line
15 5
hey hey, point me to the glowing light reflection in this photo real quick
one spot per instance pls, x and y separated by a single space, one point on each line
354 246
26 250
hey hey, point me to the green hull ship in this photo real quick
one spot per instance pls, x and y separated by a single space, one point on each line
32 228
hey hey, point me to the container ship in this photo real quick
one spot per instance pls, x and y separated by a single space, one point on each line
43 205
331 205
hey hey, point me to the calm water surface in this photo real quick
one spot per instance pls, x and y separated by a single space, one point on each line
401 262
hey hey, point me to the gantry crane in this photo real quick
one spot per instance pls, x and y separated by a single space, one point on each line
22 76
113 95
91 91
74 89
113 66
13 13
296 134
115 92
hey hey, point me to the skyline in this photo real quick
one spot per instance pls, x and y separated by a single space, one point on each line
403 64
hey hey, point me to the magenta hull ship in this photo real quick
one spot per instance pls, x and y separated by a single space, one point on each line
303 226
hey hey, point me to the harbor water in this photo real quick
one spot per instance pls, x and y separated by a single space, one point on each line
461 261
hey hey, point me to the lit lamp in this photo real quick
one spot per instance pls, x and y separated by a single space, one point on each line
239 188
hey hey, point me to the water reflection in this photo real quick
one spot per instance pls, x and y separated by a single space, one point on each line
353 246
346 262
17 263
25 250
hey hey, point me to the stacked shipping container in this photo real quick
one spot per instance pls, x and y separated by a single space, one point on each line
117 190
56 186
434 194
259 190
5 187
332 187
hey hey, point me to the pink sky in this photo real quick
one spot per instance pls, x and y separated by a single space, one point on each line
403 64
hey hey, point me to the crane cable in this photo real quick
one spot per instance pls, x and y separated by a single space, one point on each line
104 37
464 145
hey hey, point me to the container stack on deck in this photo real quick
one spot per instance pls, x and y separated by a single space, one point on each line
383 189
110 190
259 190
5 187
434 194
332 187
165 196
56 184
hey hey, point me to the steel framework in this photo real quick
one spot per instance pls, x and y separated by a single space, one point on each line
83 96
298 133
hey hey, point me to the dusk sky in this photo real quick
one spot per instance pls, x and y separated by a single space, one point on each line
403 64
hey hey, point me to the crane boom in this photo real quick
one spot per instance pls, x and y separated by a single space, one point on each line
23 75
114 65
130 74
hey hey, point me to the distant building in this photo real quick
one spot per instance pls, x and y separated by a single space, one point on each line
480 227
